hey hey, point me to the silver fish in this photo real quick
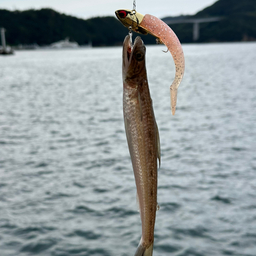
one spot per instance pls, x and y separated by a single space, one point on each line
142 137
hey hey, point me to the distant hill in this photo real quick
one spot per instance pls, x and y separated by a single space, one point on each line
229 7
46 26
238 23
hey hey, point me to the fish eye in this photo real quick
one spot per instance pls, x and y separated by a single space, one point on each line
139 56
122 14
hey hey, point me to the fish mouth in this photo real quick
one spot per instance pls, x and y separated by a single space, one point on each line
129 49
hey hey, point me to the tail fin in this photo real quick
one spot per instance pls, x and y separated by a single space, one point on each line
143 251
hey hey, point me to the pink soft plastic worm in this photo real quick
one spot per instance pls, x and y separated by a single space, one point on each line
162 31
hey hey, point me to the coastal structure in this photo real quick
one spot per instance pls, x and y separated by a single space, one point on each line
4 49
196 23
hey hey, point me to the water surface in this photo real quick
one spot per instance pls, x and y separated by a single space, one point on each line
66 181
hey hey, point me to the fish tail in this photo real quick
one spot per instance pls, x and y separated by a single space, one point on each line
143 251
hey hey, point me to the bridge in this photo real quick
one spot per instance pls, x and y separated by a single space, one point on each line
196 23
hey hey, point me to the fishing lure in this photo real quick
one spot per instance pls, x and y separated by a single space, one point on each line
149 24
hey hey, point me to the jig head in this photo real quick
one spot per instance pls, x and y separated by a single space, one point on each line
131 19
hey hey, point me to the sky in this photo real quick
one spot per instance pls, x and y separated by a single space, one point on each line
91 8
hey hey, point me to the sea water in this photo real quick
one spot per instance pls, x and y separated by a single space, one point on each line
66 180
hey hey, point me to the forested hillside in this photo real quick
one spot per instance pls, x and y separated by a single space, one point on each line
46 26
238 22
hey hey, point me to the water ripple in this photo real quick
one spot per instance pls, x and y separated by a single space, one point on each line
67 185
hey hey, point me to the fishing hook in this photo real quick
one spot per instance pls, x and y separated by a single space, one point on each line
158 41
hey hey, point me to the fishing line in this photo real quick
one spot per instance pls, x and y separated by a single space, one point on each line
133 12
130 34
134 5
130 28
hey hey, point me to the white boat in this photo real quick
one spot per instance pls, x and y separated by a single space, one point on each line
64 44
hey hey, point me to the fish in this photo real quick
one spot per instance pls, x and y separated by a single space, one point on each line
149 24
142 137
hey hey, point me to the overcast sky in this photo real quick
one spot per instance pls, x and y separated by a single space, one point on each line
91 8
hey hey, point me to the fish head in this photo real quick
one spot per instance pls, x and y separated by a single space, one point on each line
134 64
131 19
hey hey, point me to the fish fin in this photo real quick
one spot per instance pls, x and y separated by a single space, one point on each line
158 145
139 99
142 251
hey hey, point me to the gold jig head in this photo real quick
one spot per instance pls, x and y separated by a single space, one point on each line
131 19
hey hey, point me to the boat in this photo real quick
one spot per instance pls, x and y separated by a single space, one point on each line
64 44
5 49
